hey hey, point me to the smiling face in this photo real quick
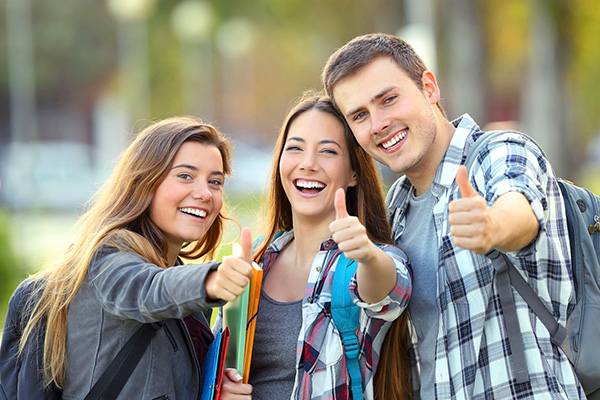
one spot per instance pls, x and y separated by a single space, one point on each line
314 164
190 197
392 118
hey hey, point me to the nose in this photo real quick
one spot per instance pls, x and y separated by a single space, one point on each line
379 122
309 162
202 192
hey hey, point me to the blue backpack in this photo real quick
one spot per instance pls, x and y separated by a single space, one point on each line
580 339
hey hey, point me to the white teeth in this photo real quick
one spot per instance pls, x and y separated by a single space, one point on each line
395 139
194 211
309 184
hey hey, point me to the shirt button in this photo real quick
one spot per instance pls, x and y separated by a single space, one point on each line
319 268
309 299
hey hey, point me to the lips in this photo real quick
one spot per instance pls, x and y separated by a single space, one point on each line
309 186
194 212
393 142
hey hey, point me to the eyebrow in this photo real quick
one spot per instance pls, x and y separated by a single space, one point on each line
188 166
324 141
377 96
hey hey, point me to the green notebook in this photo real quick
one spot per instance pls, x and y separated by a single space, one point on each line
235 316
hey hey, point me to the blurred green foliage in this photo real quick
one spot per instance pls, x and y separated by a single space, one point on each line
11 271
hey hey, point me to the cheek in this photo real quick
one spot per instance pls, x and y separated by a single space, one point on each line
154 213
362 135
217 201
157 204
284 167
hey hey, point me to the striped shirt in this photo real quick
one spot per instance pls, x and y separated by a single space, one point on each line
320 361
472 357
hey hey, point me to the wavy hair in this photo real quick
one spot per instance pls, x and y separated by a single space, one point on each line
365 201
118 216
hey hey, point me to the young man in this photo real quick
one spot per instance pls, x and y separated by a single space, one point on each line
447 219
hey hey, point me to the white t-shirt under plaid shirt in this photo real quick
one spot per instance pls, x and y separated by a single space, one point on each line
472 357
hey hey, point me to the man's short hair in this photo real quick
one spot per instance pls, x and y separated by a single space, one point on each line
361 50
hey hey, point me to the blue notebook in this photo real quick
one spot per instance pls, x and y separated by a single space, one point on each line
212 367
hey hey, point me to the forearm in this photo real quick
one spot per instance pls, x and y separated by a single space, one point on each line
376 277
514 222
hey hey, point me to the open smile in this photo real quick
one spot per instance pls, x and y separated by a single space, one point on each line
194 212
394 142
309 187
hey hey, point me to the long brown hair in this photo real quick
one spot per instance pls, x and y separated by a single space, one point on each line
118 216
365 201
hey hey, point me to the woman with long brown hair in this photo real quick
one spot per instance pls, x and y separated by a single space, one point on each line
163 201
325 198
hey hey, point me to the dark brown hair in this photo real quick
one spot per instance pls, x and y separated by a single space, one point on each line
365 201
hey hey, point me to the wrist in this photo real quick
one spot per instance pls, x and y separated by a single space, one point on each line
209 284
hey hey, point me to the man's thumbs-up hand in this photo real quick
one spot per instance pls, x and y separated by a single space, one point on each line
232 276
470 217
349 233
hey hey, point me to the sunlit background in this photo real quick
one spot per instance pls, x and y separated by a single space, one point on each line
79 78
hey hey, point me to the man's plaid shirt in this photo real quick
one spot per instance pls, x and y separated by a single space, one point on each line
472 358
321 362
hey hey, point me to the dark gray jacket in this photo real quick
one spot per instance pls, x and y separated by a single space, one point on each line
120 292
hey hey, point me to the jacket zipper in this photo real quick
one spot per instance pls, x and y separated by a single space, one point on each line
171 338
188 340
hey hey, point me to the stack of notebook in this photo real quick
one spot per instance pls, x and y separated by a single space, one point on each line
232 347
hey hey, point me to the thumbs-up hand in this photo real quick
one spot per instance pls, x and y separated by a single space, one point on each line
470 217
349 233
232 276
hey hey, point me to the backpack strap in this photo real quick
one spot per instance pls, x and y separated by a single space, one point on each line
558 333
345 317
507 276
118 372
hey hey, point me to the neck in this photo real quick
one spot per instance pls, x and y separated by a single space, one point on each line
308 236
422 176
172 254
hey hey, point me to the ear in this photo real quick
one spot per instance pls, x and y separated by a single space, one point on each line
353 180
430 87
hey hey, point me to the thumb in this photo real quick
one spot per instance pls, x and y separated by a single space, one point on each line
462 180
233 374
340 204
246 245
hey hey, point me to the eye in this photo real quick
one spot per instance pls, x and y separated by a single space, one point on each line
293 148
215 182
389 99
329 151
185 176
359 116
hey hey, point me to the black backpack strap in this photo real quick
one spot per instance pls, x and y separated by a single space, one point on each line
507 275
118 372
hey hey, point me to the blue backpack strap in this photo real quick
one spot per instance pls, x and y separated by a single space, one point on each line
345 317
258 241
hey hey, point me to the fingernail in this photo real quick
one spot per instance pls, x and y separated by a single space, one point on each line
238 377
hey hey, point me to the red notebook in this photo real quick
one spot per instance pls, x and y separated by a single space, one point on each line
221 362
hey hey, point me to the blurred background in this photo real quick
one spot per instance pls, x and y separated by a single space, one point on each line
78 79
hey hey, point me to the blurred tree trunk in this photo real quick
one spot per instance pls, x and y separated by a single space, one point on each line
465 84
544 110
